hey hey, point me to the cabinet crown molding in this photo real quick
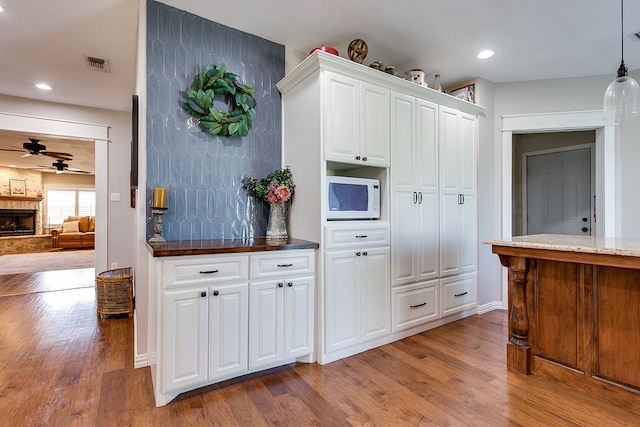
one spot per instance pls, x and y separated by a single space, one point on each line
319 61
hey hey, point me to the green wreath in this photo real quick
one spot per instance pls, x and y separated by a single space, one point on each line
216 80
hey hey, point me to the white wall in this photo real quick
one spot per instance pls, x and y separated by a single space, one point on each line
580 94
120 235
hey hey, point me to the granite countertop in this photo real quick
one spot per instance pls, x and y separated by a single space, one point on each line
567 243
225 246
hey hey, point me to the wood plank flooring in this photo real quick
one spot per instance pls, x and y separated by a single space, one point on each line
63 365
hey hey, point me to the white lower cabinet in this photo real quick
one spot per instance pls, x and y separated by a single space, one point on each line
186 329
415 305
222 316
357 296
228 330
458 293
281 325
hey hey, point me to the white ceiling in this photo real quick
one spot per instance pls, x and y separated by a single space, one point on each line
544 39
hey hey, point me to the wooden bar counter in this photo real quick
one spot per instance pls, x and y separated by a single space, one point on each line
574 311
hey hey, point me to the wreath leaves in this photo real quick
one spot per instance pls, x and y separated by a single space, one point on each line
216 80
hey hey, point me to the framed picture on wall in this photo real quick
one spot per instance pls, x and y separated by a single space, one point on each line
17 187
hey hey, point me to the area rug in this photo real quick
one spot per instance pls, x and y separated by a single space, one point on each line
47 261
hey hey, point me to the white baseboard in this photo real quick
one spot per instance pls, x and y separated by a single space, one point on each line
495 305
141 360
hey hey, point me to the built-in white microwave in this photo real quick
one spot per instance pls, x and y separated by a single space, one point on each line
352 198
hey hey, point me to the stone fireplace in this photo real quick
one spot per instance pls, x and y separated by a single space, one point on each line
17 222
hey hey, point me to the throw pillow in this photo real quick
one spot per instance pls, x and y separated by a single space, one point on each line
92 224
83 223
70 227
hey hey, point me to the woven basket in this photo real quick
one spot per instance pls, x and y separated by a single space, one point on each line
114 291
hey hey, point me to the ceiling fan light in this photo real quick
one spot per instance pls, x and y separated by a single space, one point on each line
622 99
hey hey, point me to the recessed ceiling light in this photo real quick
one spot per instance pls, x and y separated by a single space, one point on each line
1 9
43 86
485 54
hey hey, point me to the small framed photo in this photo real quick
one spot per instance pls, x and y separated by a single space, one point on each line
467 93
17 187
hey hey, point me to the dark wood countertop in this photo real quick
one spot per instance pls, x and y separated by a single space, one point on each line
226 246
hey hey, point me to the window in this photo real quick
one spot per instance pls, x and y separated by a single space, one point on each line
64 203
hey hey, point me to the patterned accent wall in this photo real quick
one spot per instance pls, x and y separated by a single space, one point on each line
202 172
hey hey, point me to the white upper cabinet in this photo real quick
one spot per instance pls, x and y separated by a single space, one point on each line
414 180
356 121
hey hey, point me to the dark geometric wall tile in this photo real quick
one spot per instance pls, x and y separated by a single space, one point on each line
202 172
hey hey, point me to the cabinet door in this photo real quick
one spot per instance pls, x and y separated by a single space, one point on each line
403 195
468 246
375 293
342 299
298 317
229 330
374 134
449 149
468 160
450 234
341 118
425 168
266 319
185 335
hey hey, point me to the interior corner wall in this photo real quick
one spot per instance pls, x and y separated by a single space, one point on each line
202 172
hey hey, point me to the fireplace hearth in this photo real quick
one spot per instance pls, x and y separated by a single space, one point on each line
17 222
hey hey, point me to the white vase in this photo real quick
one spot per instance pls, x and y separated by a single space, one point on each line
277 225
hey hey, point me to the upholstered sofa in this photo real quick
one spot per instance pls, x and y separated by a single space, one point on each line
76 233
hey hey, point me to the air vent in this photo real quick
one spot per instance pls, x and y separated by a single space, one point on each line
97 64
635 36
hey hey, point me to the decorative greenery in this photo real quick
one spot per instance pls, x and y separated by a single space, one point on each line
277 187
216 80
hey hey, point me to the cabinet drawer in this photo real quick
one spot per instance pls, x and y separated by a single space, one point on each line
458 293
414 305
195 269
282 264
338 236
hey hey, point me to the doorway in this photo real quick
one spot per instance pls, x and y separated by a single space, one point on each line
82 131
554 183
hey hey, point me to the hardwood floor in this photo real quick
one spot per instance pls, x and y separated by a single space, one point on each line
62 365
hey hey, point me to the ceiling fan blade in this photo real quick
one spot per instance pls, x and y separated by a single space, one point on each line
76 170
11 149
57 155
26 155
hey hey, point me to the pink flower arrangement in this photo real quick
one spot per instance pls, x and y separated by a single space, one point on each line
278 193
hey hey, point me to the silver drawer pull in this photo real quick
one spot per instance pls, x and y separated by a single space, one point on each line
209 272
418 305
285 265
362 236
459 295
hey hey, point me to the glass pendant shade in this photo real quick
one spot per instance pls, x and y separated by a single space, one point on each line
622 99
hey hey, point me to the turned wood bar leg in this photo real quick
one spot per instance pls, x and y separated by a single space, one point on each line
518 349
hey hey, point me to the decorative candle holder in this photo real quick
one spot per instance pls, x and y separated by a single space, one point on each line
157 225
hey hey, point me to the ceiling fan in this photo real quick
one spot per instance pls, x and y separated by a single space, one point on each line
33 147
61 167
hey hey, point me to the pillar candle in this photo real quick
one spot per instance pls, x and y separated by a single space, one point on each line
159 198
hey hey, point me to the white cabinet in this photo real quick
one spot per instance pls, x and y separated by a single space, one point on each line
185 346
458 293
357 296
222 316
356 125
458 242
281 325
281 307
414 182
228 330
415 304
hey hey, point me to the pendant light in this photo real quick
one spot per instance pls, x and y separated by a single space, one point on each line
622 98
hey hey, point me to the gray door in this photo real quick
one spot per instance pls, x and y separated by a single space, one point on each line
559 192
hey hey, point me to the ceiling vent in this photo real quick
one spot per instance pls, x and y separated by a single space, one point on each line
97 64
635 36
